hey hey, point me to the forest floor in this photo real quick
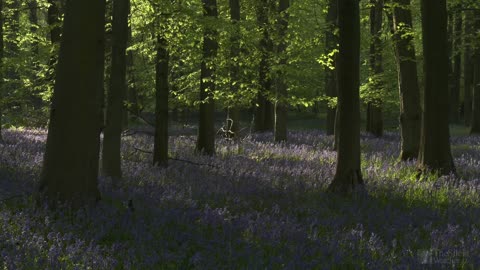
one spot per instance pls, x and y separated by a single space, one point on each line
255 205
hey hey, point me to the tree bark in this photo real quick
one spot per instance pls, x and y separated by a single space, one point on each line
435 151
264 119
70 167
132 93
348 172
456 67
111 156
2 47
475 124
330 77
468 68
281 104
233 118
206 125
410 110
374 108
160 148
33 18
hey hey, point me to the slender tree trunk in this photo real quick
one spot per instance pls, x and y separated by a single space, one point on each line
160 148
2 47
374 108
281 105
131 89
435 151
456 68
410 110
348 172
264 119
468 68
70 168
111 156
233 119
330 77
475 124
206 125
33 18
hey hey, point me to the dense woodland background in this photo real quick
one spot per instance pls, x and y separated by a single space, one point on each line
221 103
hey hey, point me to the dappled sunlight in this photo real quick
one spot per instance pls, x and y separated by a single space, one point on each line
253 205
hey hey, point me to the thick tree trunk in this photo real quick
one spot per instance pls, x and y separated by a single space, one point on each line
374 108
330 77
435 151
475 124
456 67
281 105
233 118
468 69
348 172
264 112
160 148
410 110
206 125
111 156
70 166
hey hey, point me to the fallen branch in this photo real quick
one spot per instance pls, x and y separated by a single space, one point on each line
177 159
141 117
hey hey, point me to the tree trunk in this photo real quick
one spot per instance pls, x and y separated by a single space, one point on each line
348 172
160 148
264 112
468 68
330 77
475 125
374 107
33 18
281 104
456 68
233 119
410 110
111 156
2 47
206 125
132 94
435 151
70 167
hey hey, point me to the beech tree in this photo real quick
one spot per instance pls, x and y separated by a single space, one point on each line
1 67
475 121
70 167
111 157
160 147
264 110
456 64
281 104
435 151
374 106
409 92
233 117
206 124
468 68
348 172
